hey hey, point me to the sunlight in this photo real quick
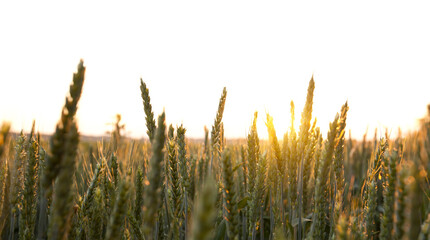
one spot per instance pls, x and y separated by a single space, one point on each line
263 59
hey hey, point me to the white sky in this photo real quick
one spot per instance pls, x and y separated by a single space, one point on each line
375 54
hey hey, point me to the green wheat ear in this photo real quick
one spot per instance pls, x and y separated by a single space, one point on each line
182 159
275 145
17 187
400 203
114 169
61 163
310 152
387 224
230 205
176 194
292 160
62 205
59 141
257 194
120 209
152 199
306 116
303 143
319 224
27 219
253 152
89 195
95 216
216 130
135 227
150 120
138 203
371 210
339 150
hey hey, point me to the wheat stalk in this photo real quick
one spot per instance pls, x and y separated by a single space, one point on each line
319 223
116 220
153 190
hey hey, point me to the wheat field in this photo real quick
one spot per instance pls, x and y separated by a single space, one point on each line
307 185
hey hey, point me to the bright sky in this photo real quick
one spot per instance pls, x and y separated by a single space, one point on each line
375 54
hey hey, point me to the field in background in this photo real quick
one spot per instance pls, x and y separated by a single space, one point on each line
307 185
